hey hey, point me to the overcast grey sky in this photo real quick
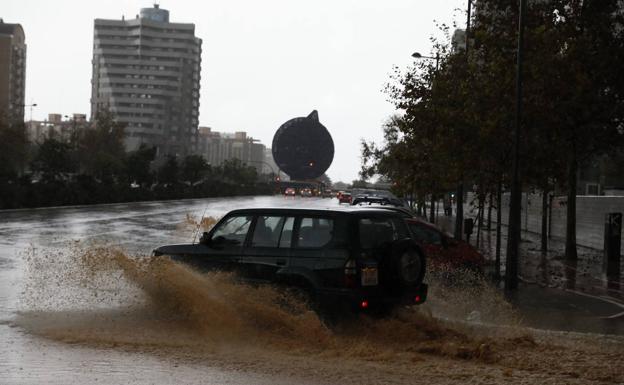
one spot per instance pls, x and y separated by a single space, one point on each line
263 62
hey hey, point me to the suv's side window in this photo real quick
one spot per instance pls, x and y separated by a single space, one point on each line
233 229
375 232
272 231
287 231
315 232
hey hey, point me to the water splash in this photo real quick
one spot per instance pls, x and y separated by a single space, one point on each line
99 294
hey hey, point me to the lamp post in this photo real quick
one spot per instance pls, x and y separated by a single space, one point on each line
417 55
459 215
30 106
513 235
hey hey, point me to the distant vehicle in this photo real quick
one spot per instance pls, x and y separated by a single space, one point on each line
376 196
328 193
346 259
443 250
306 192
403 211
376 200
290 192
345 197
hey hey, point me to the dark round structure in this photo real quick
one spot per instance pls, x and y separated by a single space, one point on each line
303 148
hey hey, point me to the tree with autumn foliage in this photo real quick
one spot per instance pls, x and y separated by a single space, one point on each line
455 123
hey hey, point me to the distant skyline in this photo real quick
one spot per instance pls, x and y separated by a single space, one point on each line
262 64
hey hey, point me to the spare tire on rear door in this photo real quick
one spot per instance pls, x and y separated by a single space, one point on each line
407 263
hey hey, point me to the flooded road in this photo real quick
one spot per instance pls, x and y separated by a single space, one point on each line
81 303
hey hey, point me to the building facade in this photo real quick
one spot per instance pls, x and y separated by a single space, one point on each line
55 127
146 71
12 70
458 41
217 147
602 175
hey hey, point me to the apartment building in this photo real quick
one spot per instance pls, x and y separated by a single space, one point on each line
12 70
146 71
217 147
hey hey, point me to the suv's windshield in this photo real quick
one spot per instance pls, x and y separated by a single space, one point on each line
233 229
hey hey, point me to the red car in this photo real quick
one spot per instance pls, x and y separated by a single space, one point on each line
441 249
344 197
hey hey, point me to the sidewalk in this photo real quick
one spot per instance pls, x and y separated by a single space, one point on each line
549 270
555 293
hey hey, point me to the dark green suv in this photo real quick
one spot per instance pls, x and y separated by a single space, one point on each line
354 258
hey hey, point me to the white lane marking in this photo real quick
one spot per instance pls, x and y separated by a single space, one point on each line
603 299
615 315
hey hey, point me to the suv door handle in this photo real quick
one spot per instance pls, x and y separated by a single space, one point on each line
281 262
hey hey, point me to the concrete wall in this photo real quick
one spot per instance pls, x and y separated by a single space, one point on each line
590 215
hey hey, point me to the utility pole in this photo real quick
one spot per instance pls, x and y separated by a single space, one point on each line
459 196
513 235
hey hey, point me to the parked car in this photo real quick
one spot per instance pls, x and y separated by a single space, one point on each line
366 195
442 249
346 259
375 200
345 197
290 192
403 211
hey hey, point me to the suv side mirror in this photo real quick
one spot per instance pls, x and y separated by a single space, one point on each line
205 239
217 242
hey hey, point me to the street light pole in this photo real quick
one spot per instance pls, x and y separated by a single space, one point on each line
31 107
459 194
513 235
28 105
417 55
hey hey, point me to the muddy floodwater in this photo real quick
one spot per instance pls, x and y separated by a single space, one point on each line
82 302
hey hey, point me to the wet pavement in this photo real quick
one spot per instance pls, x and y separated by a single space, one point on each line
35 349
555 293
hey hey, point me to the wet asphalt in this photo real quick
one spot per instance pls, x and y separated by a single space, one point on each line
139 227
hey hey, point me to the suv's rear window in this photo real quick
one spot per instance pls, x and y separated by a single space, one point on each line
315 232
375 232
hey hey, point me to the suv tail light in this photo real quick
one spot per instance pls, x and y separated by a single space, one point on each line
350 273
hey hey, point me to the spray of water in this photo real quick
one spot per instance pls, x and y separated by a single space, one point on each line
192 226
99 294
